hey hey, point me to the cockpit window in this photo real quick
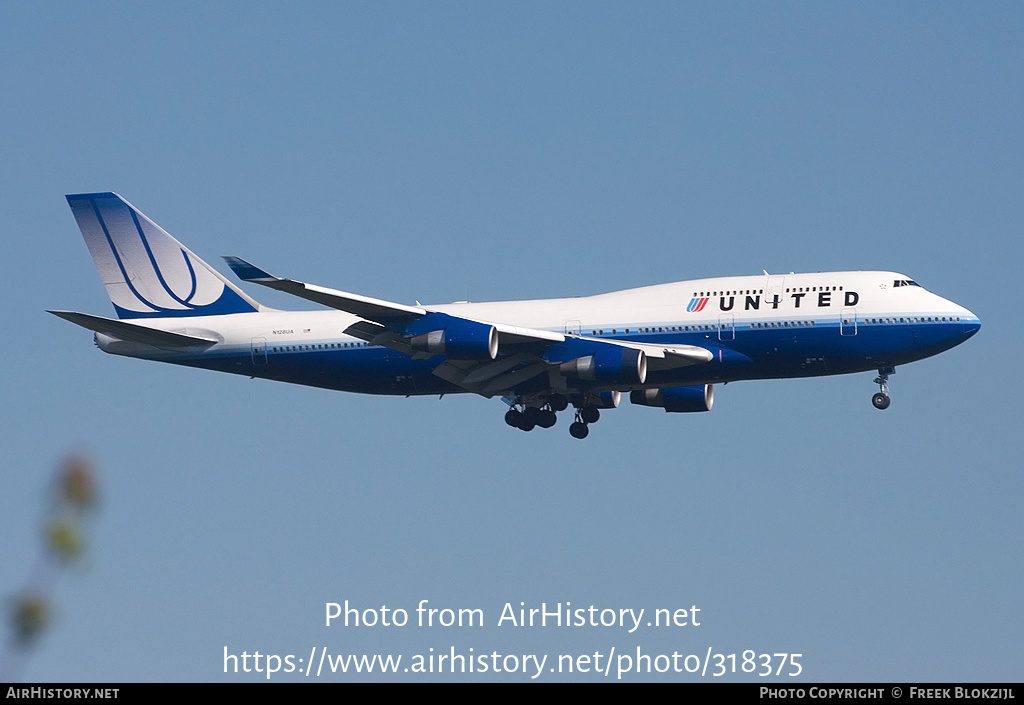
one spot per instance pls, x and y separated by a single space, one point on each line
905 282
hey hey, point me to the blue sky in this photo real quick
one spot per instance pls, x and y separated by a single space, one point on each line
482 151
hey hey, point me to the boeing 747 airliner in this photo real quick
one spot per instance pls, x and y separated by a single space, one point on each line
665 346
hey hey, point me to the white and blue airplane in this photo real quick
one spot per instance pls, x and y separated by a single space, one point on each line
664 345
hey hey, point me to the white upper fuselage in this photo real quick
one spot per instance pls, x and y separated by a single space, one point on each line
750 299
746 302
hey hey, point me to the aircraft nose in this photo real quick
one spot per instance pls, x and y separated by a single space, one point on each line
971 323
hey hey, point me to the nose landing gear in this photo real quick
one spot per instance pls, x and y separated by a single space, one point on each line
880 400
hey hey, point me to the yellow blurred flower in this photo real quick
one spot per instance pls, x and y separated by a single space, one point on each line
64 540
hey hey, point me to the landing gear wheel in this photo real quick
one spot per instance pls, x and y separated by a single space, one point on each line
590 414
528 419
578 429
558 402
523 420
880 400
513 417
546 418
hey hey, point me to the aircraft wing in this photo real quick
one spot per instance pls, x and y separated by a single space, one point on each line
385 313
362 306
525 352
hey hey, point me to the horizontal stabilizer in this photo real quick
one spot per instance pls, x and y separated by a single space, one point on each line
136 333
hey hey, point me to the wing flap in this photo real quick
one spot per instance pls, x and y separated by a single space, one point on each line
491 370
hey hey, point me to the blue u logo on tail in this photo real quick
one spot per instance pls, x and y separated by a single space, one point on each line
147 272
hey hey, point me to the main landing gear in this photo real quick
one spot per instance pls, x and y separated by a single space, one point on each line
880 400
585 415
530 417
544 415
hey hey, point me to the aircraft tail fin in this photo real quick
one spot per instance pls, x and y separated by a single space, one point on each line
147 273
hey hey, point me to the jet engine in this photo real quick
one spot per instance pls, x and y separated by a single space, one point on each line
605 399
459 340
699 397
610 364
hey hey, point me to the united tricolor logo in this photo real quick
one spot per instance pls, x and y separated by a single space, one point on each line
697 304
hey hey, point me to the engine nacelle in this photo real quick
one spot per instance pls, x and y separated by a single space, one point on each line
606 399
700 397
459 340
609 365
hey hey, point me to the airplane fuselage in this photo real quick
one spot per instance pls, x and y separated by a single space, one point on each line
757 327
666 345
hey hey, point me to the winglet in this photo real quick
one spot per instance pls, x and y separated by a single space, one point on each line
248 272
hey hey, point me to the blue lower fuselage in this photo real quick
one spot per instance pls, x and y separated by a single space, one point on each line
751 353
